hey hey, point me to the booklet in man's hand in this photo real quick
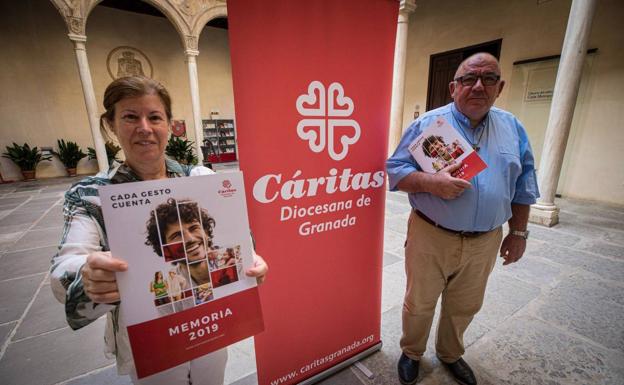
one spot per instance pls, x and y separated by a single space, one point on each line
440 145
187 244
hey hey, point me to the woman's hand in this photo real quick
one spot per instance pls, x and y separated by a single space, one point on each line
259 269
98 277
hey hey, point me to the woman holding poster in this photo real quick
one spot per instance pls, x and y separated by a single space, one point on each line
138 113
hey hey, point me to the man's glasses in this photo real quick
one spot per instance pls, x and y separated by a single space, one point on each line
470 80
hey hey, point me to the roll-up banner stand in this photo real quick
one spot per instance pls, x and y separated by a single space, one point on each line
312 88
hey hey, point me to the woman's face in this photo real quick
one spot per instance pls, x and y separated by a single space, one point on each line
142 128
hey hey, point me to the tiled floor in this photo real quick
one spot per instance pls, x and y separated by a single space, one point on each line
557 317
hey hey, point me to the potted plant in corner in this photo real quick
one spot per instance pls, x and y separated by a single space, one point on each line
69 153
26 158
181 150
111 152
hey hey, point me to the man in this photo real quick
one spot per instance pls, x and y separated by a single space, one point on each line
194 227
177 283
454 230
213 263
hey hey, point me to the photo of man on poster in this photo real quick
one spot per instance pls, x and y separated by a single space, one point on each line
193 227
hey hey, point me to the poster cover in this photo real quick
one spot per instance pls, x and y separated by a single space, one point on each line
187 244
178 128
440 145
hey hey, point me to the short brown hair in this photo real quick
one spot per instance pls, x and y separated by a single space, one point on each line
132 87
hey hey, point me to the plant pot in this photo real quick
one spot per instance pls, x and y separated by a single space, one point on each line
28 174
71 171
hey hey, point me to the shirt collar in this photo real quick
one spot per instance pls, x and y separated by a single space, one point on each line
122 173
463 120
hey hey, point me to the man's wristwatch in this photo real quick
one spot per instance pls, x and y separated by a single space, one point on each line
523 234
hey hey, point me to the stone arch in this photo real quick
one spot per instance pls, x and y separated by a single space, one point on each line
75 13
171 10
189 17
218 10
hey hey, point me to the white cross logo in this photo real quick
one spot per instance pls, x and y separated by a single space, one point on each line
326 112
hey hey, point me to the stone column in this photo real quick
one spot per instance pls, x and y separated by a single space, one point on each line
89 95
191 56
398 76
569 73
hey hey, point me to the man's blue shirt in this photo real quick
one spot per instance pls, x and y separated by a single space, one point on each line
509 178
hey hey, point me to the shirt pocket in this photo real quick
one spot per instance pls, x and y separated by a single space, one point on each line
509 148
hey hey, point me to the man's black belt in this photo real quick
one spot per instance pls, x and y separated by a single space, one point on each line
469 234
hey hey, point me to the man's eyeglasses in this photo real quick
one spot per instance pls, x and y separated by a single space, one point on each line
470 80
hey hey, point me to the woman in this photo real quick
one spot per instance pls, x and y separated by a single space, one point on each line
138 113
230 258
159 287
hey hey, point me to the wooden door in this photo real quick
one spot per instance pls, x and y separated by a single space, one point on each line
441 73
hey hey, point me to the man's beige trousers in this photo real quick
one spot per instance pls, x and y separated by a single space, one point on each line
440 262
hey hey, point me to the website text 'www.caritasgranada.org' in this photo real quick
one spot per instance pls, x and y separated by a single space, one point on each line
322 361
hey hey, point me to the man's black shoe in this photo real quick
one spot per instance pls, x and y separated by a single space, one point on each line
461 372
408 370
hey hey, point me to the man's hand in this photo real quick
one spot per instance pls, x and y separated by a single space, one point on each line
446 186
98 277
259 269
512 248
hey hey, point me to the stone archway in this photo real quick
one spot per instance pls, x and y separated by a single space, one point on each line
188 18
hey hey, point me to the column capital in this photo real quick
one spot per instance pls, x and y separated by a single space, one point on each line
191 53
191 43
407 6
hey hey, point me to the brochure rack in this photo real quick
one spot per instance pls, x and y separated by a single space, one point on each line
219 140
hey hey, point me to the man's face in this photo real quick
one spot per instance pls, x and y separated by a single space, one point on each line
475 101
438 147
192 233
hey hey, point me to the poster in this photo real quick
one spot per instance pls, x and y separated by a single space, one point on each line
178 128
440 145
312 92
187 244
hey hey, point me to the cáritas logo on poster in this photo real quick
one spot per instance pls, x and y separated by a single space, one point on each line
227 190
322 109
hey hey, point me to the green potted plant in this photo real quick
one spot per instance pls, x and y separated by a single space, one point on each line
181 150
111 152
69 153
26 158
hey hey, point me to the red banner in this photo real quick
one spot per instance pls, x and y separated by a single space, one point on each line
312 86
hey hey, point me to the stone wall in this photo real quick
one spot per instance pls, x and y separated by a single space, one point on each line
42 99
